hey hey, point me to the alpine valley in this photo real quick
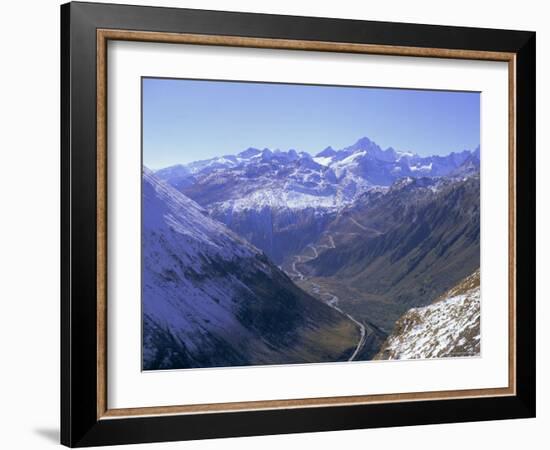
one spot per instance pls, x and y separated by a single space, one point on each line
280 257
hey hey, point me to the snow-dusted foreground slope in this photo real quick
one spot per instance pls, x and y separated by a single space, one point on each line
450 327
211 299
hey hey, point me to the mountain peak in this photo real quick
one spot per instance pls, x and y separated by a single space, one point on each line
361 144
364 144
249 152
327 152
293 154
363 141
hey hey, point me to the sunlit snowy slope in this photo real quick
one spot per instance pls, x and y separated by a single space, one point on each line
450 327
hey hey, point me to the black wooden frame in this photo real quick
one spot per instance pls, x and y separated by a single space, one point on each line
79 423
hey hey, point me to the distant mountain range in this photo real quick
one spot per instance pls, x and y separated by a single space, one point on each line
296 180
281 201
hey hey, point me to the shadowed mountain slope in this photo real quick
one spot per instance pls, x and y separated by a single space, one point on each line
401 248
211 299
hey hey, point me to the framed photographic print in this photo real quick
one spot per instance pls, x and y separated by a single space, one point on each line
276 224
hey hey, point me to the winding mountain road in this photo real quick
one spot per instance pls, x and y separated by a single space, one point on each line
363 227
329 298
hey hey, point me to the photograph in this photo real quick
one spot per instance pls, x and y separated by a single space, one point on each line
302 223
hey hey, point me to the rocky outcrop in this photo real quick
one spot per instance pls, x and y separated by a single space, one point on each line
450 327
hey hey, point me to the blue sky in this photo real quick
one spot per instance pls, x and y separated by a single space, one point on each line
189 120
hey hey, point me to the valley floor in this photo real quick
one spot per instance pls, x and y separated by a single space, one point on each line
370 338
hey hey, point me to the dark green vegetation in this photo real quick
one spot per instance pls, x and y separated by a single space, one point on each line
401 249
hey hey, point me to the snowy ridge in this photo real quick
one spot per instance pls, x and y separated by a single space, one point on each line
181 295
295 180
210 299
450 327
187 218
278 198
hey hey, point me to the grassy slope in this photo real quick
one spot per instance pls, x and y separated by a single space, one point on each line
417 245
305 329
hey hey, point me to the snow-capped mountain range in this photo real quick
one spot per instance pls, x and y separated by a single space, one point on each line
281 200
296 180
